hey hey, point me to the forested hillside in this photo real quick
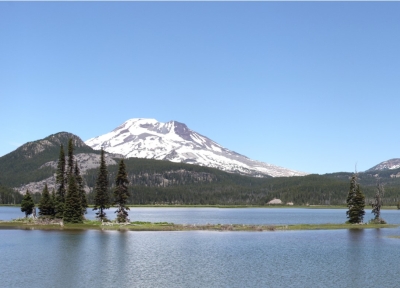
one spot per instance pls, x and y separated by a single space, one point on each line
24 165
9 196
165 182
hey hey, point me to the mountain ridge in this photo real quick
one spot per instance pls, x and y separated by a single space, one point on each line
175 142
164 182
35 161
390 164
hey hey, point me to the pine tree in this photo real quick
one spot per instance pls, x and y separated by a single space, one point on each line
81 190
72 209
53 202
377 204
70 161
27 204
60 181
46 203
121 194
359 202
101 198
355 202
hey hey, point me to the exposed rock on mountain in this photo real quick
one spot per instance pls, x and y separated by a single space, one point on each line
34 163
85 161
174 141
386 165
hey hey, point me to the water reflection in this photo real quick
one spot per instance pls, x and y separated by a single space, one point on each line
335 258
355 256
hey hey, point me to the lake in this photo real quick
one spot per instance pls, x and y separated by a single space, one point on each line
331 258
256 216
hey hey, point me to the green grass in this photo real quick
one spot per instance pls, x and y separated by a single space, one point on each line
234 206
23 223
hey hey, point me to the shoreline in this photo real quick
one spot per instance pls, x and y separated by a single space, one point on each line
235 206
164 226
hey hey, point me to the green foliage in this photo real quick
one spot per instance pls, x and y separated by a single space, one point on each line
60 178
54 201
60 182
121 194
46 205
377 221
59 205
164 182
9 196
355 202
24 165
27 204
81 191
101 198
73 208
70 162
377 204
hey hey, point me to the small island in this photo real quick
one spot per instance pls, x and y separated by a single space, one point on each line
58 224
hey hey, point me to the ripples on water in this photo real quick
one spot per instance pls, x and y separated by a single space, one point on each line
332 258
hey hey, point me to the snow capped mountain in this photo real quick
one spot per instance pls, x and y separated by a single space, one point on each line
174 141
386 165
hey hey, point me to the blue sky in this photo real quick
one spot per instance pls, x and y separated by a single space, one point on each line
311 86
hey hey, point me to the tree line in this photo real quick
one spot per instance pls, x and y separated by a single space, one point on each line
356 203
69 201
9 197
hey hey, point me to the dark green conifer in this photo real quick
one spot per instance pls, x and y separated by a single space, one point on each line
53 202
81 190
60 181
121 194
70 160
355 202
46 204
27 204
101 198
377 204
72 209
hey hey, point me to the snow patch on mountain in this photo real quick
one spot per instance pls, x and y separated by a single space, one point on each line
174 141
386 165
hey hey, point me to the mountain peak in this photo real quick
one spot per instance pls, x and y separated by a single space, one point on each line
174 141
386 165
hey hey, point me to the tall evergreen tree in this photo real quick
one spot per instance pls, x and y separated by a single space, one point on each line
70 160
46 204
355 202
60 181
101 198
53 202
27 204
121 194
72 209
377 204
81 190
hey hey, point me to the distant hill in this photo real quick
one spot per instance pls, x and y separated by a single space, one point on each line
164 182
386 165
25 164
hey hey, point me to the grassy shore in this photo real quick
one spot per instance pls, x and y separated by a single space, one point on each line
234 206
31 224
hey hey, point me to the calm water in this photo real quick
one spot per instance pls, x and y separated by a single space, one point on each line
229 215
341 258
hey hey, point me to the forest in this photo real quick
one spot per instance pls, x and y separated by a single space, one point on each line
158 182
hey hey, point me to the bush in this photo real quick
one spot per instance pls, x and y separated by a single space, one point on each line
377 221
